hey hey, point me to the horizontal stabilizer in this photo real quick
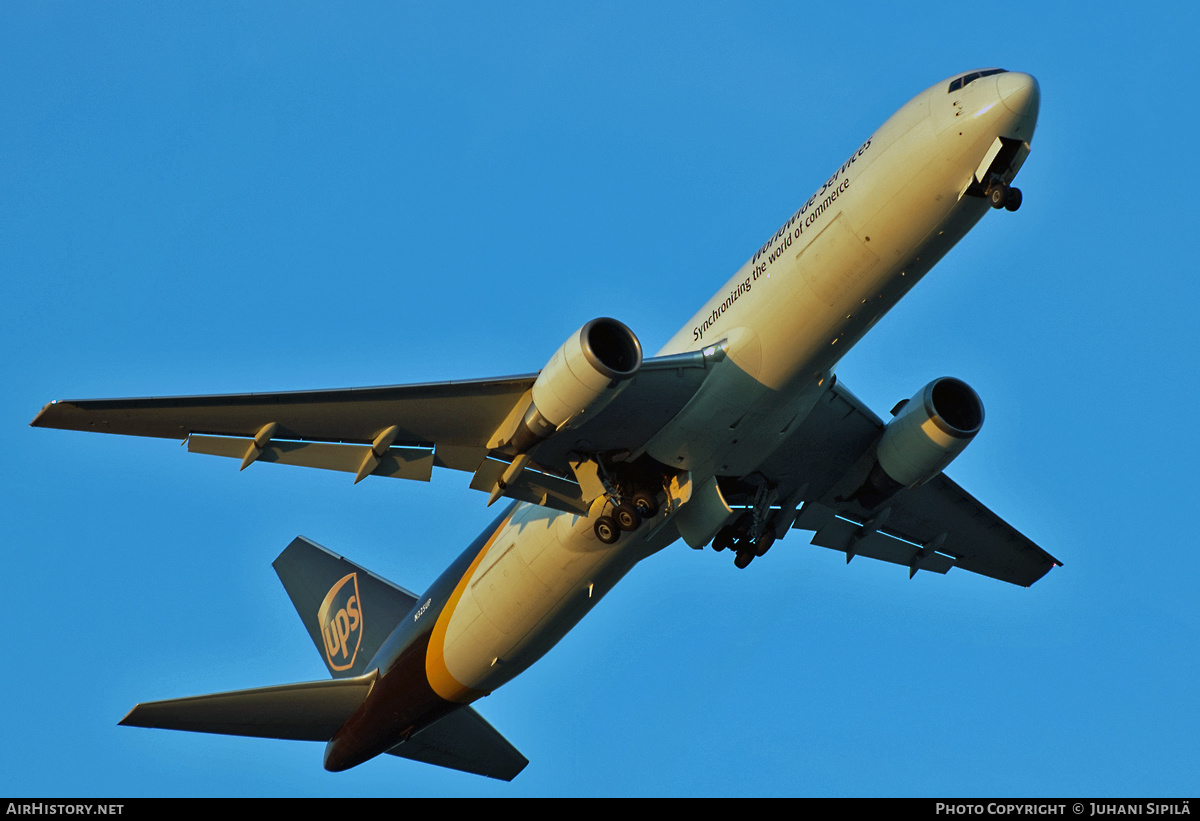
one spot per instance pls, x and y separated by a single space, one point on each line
311 711
464 741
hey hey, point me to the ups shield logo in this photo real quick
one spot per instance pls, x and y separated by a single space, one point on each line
341 623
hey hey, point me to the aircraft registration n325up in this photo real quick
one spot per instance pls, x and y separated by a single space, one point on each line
734 434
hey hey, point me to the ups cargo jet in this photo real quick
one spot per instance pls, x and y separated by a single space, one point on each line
736 433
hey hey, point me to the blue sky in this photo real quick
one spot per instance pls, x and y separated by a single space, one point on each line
228 197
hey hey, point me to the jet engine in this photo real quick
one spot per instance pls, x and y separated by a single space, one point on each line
581 378
926 434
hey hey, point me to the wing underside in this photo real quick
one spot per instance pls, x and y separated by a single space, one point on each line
401 431
933 527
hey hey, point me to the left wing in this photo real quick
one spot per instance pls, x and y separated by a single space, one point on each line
401 431
935 526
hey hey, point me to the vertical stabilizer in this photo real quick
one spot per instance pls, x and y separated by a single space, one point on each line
348 611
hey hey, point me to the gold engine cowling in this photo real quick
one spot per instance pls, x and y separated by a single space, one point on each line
927 433
581 378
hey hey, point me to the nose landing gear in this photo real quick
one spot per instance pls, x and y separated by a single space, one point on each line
1003 196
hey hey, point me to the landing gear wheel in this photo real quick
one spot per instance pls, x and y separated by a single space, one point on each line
998 195
627 517
1014 199
723 540
743 559
765 542
607 530
645 505
741 542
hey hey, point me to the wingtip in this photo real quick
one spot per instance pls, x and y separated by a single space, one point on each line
508 776
37 420
127 720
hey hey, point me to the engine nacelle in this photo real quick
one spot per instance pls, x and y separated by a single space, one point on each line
927 433
931 429
581 378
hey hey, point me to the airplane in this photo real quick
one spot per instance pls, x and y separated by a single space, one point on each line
736 433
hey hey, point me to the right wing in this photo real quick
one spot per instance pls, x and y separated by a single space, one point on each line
401 431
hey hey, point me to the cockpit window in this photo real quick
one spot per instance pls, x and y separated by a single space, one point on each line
967 79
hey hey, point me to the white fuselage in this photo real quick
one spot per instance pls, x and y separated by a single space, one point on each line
879 222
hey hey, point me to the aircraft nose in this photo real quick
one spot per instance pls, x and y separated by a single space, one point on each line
1019 93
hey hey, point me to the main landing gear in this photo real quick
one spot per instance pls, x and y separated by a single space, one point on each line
627 515
752 533
1003 196
738 538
